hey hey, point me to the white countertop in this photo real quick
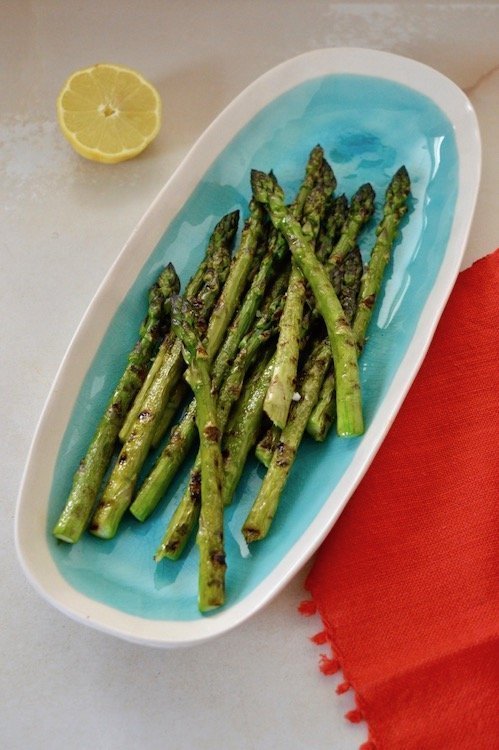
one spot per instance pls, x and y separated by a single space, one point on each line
64 220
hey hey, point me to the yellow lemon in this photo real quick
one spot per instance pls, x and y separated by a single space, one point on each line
108 113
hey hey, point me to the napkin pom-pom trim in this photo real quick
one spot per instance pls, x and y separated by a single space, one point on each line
319 638
368 746
343 687
355 715
307 608
328 666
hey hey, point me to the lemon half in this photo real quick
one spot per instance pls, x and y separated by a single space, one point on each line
109 113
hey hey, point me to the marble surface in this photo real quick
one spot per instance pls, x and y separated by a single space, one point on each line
63 221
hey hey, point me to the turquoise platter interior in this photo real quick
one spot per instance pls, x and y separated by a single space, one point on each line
368 127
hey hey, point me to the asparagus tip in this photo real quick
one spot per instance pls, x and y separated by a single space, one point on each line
401 182
228 223
259 185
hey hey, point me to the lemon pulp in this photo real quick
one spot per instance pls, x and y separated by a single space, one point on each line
109 113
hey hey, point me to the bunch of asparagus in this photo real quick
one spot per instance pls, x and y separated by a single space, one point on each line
268 341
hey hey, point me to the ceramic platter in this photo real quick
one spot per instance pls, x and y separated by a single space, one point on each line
371 111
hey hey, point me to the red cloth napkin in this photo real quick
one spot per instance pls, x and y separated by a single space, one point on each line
406 582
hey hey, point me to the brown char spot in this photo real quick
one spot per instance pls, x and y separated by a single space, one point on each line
195 487
218 558
172 546
212 432
251 534
282 455
369 301
117 409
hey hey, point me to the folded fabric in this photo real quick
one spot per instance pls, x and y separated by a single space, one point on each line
406 582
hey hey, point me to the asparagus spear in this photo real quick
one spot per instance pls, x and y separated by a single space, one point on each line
345 277
251 238
118 491
360 211
395 207
183 434
283 382
88 478
192 288
324 412
336 213
210 538
186 513
263 510
348 397
243 428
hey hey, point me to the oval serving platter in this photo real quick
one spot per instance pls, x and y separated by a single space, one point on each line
371 111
